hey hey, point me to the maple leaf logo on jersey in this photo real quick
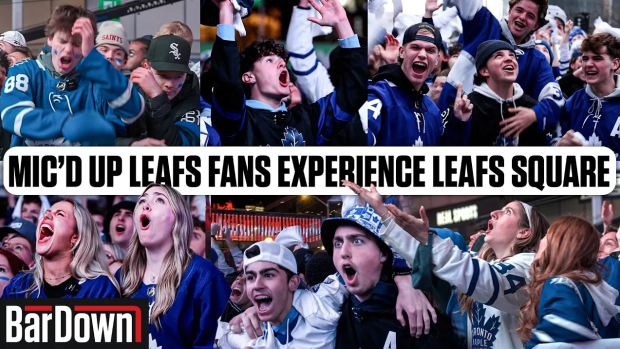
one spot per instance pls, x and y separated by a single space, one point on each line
502 141
419 142
292 138
594 141
153 343
483 332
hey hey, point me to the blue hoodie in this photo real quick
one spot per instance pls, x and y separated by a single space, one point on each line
597 119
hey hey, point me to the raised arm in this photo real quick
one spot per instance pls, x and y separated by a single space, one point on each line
228 112
312 77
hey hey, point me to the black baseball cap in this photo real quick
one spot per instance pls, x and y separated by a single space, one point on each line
411 34
169 53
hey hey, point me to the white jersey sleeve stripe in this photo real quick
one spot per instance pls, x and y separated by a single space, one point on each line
123 98
571 326
19 120
543 336
132 120
18 104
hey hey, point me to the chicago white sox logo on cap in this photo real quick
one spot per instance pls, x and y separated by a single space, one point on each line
175 50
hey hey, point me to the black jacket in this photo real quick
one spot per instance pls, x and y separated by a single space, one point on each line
570 84
176 121
315 124
373 324
489 112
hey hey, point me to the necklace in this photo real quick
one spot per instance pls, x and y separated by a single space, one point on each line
57 278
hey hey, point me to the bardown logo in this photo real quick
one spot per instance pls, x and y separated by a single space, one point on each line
73 323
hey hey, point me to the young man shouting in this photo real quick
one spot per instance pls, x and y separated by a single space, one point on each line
305 318
398 112
370 318
70 96
252 89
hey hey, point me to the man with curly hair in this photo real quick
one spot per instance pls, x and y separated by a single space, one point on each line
252 89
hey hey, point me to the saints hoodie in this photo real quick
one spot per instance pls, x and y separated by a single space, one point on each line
490 109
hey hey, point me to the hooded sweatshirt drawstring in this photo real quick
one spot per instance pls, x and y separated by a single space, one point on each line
517 93
595 112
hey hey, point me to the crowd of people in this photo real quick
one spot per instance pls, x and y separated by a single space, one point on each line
529 79
384 279
90 85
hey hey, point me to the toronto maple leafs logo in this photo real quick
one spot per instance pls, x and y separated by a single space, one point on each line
483 332
153 343
292 138
509 141
175 50
594 140
418 142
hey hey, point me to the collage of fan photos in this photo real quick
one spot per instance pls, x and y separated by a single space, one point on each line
364 270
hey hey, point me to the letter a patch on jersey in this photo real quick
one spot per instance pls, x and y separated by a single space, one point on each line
390 341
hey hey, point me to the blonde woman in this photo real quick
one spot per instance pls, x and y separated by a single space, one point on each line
70 260
186 293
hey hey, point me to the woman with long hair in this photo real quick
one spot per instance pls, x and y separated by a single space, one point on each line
186 293
568 301
491 284
70 260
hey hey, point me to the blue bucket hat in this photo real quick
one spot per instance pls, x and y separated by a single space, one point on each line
363 217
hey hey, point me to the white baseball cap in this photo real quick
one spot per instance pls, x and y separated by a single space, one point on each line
272 252
14 38
112 33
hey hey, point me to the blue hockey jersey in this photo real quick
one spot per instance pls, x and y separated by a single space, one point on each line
191 321
100 287
570 312
397 115
36 102
535 73
597 119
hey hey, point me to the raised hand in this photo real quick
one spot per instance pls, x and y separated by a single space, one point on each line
146 80
372 197
607 213
462 106
332 15
431 6
84 28
390 53
416 227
